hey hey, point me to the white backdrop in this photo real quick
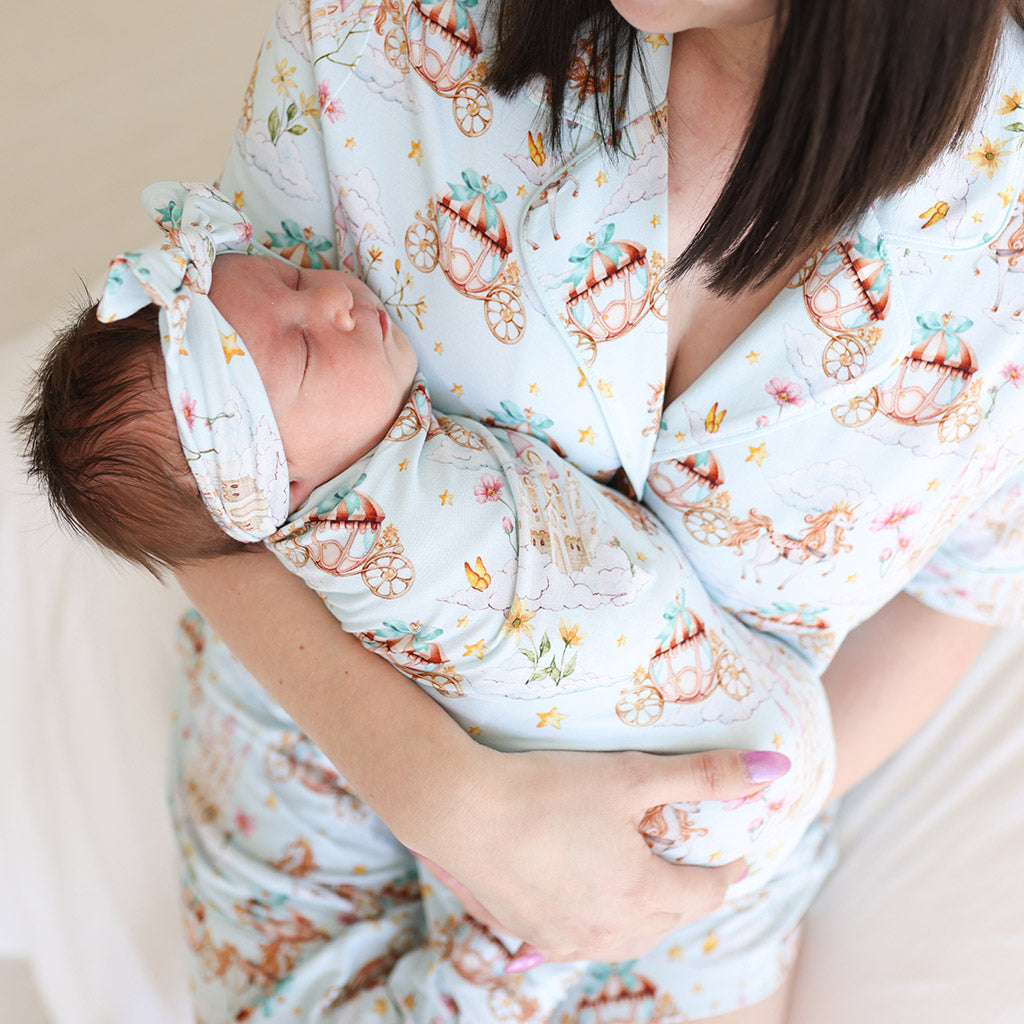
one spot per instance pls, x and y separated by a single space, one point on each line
924 920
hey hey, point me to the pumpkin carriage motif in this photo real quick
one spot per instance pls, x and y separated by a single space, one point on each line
411 649
933 384
846 291
614 994
295 757
439 40
478 956
803 623
611 288
691 485
464 232
688 665
349 538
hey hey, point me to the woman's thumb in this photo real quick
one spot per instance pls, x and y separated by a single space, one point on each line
714 775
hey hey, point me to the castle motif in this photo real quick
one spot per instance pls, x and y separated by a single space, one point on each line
554 519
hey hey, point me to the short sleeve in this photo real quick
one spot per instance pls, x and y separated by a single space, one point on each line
978 573
277 168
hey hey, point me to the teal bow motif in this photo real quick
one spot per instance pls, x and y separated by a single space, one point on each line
672 612
461 10
512 415
420 639
472 186
599 974
932 323
292 235
873 251
583 253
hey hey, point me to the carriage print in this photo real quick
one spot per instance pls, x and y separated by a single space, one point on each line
611 288
846 291
688 665
465 234
411 649
349 538
438 39
933 384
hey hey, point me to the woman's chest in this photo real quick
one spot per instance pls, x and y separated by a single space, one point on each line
530 282
822 459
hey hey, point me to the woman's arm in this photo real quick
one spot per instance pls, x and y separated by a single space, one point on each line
578 882
889 676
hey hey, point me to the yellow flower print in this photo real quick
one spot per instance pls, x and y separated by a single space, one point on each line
987 157
309 105
1011 102
282 79
571 635
517 624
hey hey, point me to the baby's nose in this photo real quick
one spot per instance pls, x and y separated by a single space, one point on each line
337 302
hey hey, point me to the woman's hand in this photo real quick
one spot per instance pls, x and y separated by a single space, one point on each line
547 842
546 846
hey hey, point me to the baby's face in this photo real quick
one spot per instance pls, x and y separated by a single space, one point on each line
336 369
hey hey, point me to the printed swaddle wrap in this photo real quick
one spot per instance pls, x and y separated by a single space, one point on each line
537 607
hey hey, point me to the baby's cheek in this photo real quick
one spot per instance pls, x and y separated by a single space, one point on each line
792 718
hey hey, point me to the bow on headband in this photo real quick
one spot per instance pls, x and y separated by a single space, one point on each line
225 422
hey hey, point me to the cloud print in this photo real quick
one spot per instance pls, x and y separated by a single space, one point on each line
647 177
281 162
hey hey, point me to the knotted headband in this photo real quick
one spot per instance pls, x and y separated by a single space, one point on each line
225 422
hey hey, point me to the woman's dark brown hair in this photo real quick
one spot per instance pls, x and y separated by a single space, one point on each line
859 98
98 433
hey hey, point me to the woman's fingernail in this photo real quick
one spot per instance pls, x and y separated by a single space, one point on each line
523 963
765 765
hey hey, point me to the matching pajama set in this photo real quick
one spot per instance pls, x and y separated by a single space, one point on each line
865 435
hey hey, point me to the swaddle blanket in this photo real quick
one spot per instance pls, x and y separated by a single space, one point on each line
546 611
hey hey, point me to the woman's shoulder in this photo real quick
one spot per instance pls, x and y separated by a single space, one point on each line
966 198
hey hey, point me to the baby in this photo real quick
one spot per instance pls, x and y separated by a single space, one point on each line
541 608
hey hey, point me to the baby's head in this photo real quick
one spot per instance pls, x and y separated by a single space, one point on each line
173 434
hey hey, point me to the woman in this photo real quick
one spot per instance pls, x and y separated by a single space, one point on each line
312 171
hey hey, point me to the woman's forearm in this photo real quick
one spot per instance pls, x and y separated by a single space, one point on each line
889 676
379 729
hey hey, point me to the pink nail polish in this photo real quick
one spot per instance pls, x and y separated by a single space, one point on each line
765 765
523 963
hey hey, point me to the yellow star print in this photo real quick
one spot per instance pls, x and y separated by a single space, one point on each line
621 641
438 347
240 199
457 390
680 435
655 40
752 356
229 342
477 650
553 718
655 221
675 953
521 191
462 621
601 179
416 153
933 484
605 387
587 435
402 465
446 497
533 388
1007 196
977 218
710 942
350 143
757 454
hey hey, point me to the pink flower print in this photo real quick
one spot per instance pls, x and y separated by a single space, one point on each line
245 823
507 525
894 516
1013 373
885 555
330 107
903 542
187 408
785 392
762 421
244 231
488 488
